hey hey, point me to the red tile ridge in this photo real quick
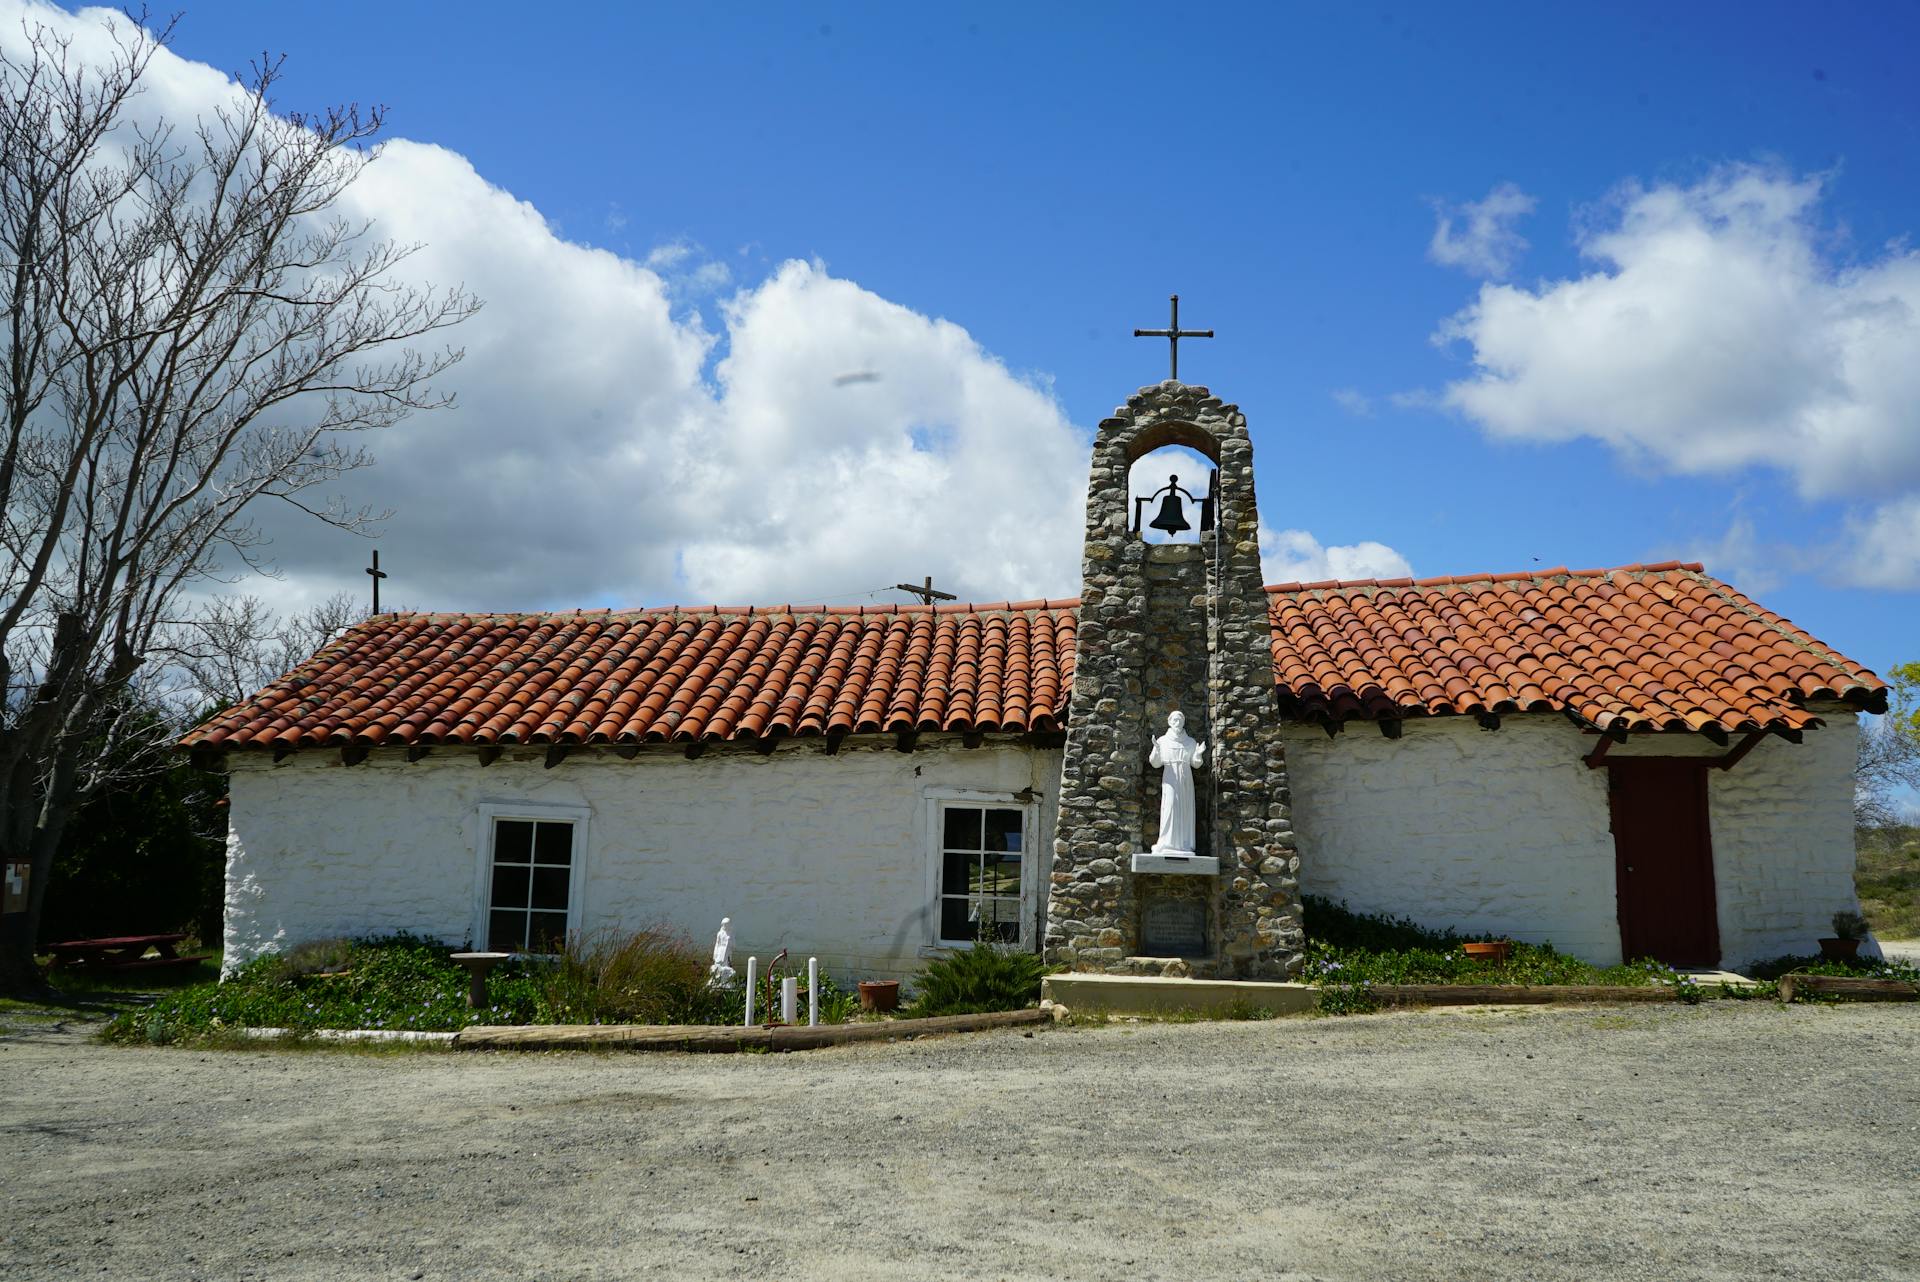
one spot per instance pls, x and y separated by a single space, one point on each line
1456 580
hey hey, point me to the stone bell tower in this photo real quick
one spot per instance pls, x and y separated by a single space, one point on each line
1164 627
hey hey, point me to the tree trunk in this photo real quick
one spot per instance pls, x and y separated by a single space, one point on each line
19 976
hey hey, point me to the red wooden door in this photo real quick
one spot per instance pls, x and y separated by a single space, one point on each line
1663 862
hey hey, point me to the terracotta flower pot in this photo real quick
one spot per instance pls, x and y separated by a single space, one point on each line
879 994
1491 950
1839 949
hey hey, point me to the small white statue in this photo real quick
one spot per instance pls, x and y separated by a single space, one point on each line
721 974
1178 756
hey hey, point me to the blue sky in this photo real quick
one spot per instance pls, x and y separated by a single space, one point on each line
1043 176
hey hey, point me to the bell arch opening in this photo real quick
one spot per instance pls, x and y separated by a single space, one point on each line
1171 495
1173 432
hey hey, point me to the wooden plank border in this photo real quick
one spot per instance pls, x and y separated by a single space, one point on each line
1516 994
1860 989
727 1037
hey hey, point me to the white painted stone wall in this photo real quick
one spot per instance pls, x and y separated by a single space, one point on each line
1507 832
826 856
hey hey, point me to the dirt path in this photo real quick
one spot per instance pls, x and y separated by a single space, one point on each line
1734 1141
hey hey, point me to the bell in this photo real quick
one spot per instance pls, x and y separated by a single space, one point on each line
1173 517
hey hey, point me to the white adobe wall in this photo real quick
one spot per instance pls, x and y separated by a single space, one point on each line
1507 832
823 855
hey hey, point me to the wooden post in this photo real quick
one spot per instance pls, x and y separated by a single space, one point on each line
753 981
790 1001
813 992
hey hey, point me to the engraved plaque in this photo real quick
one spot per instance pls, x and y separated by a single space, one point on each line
1173 928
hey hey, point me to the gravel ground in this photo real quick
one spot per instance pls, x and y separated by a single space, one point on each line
1730 1140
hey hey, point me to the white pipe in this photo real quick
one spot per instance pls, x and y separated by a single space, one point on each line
789 1000
813 991
753 982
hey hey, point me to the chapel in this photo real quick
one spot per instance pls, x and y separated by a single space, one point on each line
1630 762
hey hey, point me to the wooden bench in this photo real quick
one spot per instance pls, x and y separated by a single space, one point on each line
122 952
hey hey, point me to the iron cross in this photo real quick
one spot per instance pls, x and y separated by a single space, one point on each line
1173 334
378 574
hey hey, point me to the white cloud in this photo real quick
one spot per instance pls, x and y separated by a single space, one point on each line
1716 332
805 439
1353 402
1295 556
1885 551
1479 236
1742 557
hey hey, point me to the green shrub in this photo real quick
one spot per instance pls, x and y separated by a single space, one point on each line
985 977
1858 967
1338 926
1348 952
636 977
395 982
405 982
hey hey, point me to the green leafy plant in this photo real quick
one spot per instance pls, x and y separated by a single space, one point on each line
985 977
1856 967
1848 924
1349 952
1348 999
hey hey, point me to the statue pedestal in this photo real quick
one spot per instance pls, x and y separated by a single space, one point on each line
1198 865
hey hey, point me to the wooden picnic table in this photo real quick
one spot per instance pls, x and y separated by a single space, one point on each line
121 952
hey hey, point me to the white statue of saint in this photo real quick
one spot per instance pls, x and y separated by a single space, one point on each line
1178 756
721 973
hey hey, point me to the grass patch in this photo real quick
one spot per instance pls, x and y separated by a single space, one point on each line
1886 873
406 983
409 983
1349 952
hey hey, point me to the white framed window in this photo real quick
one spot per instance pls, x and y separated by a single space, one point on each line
982 871
532 866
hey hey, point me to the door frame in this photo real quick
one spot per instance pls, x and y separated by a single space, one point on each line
1696 770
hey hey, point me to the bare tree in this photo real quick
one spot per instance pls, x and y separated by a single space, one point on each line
1889 756
189 329
236 645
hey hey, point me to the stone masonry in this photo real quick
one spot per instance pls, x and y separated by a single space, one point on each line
1161 627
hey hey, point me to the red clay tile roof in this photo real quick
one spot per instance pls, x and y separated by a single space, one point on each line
1638 647
667 675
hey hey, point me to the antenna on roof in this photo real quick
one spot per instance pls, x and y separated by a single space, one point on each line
926 592
378 574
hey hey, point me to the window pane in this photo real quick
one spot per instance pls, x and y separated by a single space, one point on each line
510 886
1002 875
955 924
956 871
512 841
550 888
963 828
1003 830
546 932
553 844
507 932
1001 917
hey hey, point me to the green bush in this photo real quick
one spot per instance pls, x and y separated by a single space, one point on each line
1348 952
1857 967
395 982
985 977
637 977
408 983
